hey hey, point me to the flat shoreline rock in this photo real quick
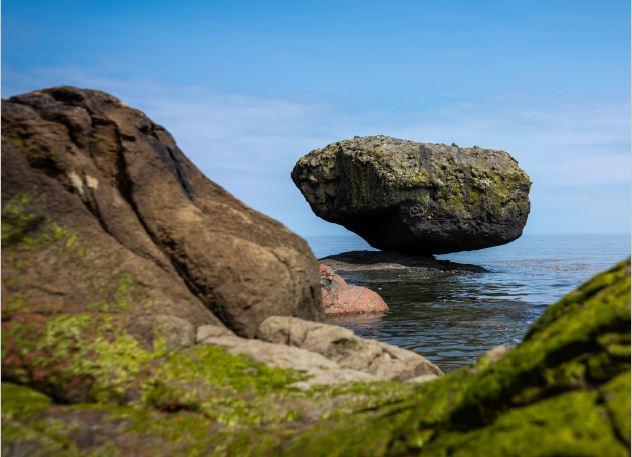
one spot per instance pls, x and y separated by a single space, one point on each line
385 260
327 354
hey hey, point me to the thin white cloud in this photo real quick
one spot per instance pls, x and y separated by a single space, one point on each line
249 143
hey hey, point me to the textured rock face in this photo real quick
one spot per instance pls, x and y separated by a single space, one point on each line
340 298
416 198
104 215
349 351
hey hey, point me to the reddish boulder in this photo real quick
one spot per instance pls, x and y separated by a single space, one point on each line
342 298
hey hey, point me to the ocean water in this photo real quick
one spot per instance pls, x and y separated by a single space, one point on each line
452 318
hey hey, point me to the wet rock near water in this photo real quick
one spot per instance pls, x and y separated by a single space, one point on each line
341 298
417 198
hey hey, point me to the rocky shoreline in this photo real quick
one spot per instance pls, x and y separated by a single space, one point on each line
148 312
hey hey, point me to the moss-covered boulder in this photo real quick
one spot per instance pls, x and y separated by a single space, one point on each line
413 197
564 391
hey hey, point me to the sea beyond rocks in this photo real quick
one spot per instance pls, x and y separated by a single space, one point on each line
148 312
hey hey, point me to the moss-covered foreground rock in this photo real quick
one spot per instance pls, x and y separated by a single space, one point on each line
565 390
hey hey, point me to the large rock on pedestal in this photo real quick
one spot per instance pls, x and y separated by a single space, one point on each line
417 198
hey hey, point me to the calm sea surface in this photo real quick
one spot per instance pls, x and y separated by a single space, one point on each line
454 317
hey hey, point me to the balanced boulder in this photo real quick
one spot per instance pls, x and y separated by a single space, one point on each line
417 198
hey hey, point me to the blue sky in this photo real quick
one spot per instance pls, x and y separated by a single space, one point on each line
246 88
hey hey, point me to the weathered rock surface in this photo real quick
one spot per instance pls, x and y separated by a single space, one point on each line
416 198
342 346
327 355
564 391
340 298
317 369
103 214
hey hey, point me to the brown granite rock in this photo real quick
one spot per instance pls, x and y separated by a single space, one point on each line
103 214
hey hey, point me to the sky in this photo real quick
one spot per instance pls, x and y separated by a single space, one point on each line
248 87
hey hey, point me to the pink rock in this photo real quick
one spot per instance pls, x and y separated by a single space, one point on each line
342 298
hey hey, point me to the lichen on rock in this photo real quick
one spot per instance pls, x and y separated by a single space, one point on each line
413 197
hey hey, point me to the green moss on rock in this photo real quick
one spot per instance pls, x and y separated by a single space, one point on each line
75 357
545 391
571 424
564 391
23 228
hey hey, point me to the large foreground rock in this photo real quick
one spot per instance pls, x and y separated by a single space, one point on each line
564 391
103 214
416 197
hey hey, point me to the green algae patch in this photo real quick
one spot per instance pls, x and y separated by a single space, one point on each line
568 424
229 388
23 228
214 365
24 432
18 401
75 357
616 397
